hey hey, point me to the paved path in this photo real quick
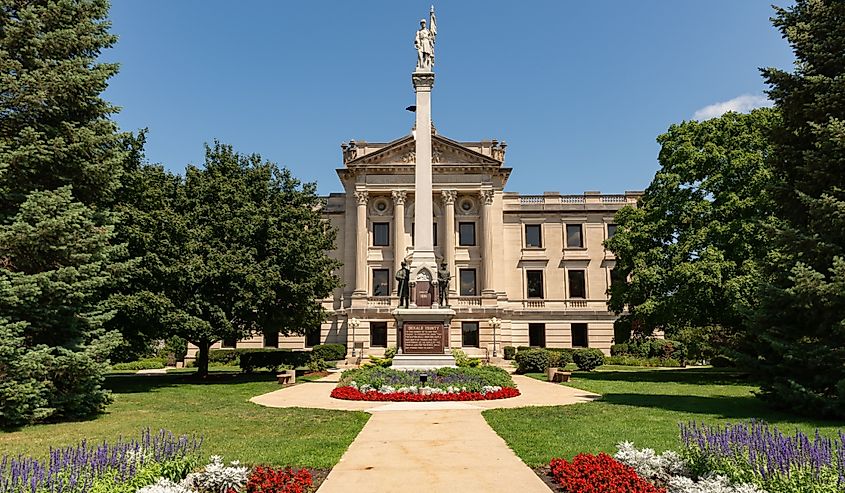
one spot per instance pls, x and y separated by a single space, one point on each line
427 447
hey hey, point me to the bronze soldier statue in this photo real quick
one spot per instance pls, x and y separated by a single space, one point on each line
443 278
402 276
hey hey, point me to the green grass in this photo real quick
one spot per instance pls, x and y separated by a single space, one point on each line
218 409
643 406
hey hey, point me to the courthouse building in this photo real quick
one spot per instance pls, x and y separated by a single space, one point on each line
527 270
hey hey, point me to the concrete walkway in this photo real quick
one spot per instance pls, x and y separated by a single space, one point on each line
427 447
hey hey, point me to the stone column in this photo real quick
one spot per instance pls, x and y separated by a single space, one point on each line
398 230
423 256
487 242
361 196
449 235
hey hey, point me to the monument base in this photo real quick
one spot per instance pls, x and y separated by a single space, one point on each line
422 361
423 338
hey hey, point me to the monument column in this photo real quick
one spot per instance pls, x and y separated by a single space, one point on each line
449 226
361 196
487 242
398 229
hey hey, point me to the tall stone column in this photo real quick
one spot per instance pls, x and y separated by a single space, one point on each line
423 256
449 236
361 196
398 229
487 242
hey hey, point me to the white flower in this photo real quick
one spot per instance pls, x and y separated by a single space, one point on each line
650 465
488 389
709 484
386 389
218 478
164 486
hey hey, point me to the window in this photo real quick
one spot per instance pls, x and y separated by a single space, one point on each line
615 276
533 236
433 231
537 335
381 282
468 287
229 342
466 234
312 337
535 283
579 335
469 334
611 230
378 334
577 284
574 237
271 338
381 234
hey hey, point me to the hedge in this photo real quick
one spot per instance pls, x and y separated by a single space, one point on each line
329 352
272 359
143 364
588 359
651 348
533 361
510 352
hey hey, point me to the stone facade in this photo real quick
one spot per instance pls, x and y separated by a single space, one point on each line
526 269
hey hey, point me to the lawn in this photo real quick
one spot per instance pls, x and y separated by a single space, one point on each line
639 405
218 409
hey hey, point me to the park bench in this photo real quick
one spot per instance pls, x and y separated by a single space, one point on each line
286 377
557 375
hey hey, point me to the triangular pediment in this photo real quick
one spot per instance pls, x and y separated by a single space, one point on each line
444 152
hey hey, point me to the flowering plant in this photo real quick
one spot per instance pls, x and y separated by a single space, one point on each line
599 474
287 480
422 394
217 477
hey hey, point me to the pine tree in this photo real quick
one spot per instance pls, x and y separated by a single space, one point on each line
60 166
800 351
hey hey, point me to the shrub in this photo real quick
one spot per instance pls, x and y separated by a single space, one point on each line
376 361
510 352
532 361
722 361
598 474
223 356
287 480
143 364
523 348
174 347
469 379
317 365
390 352
588 359
271 359
464 361
329 352
562 356
636 361
619 350
217 477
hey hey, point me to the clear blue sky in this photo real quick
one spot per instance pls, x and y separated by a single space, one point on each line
579 90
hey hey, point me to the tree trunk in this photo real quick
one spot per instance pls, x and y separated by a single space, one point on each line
202 358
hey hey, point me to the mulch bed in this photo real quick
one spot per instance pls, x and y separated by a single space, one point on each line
545 473
318 476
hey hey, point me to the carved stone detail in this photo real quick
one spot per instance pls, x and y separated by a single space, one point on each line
423 79
350 151
362 196
498 150
449 196
399 197
487 197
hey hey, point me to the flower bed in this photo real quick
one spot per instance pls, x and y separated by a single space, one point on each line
598 474
443 384
423 394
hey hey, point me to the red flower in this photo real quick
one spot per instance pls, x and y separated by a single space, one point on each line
599 474
286 480
353 394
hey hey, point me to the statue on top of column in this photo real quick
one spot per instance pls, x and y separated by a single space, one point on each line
424 43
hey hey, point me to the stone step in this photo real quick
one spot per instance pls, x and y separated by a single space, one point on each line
422 361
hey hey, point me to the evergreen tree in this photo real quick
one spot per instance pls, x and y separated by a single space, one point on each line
800 351
60 166
687 255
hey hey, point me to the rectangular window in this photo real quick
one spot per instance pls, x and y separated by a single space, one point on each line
534 280
468 287
378 334
229 342
615 276
611 230
577 284
466 234
433 231
574 236
579 335
271 339
469 334
533 236
312 337
381 234
537 335
381 282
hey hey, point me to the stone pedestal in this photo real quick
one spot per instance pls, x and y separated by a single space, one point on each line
423 338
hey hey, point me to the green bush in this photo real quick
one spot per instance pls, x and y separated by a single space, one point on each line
523 348
329 352
390 352
473 379
510 352
627 360
532 361
224 356
376 361
141 364
271 359
317 365
464 361
175 348
588 359
562 356
651 348
722 361
619 349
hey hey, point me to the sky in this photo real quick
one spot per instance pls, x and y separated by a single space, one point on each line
578 90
